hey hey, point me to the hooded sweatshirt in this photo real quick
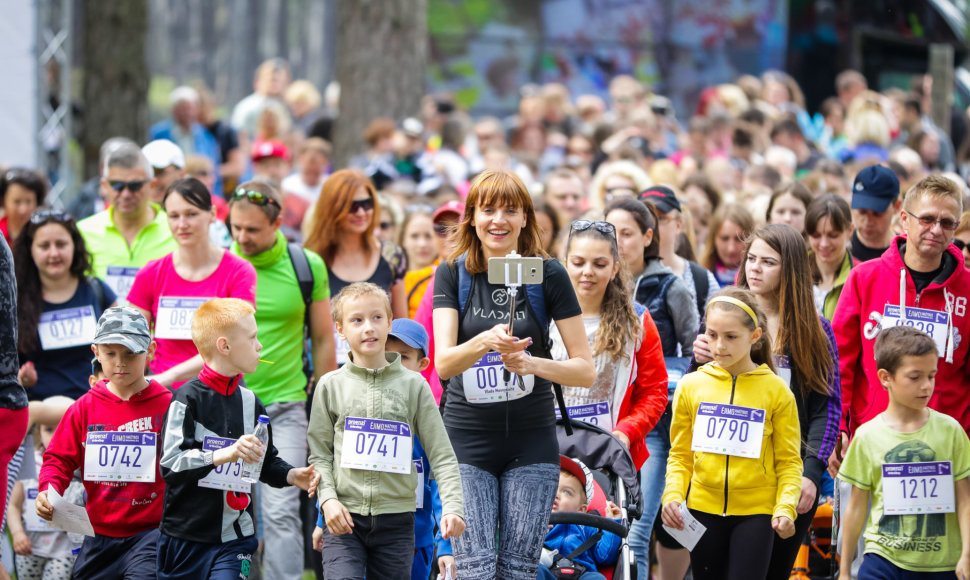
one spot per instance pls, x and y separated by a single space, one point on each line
869 288
116 509
726 484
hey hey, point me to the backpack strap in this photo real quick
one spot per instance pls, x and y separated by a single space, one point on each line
464 286
701 286
589 543
95 285
419 284
304 278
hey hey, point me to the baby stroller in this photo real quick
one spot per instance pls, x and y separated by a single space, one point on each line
616 478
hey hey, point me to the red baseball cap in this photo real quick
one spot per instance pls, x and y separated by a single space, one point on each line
453 206
266 149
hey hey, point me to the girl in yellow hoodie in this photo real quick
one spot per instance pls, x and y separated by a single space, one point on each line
735 445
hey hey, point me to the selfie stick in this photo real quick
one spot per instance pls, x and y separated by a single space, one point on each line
512 290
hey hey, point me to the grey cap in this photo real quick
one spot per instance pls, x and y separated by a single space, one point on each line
125 326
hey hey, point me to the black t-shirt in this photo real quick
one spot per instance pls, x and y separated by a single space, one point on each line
487 306
923 279
864 253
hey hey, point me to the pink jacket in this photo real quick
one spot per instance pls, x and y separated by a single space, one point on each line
870 287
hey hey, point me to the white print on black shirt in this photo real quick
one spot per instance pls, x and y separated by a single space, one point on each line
497 314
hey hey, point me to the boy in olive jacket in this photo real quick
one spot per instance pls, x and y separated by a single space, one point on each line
361 426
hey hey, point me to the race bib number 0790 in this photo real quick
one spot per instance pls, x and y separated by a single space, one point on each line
728 430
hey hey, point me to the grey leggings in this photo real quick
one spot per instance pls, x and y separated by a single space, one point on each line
518 502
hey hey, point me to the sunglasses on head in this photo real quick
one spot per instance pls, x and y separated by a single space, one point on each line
132 186
43 215
600 226
362 204
254 197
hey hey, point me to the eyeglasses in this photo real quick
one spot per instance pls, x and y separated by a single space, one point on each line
362 204
132 186
928 222
254 197
443 230
600 226
43 215
386 225
960 244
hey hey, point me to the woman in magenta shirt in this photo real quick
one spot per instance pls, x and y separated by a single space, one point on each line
169 290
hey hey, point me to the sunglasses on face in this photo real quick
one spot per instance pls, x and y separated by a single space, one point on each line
132 186
41 216
254 197
362 204
928 222
442 230
960 244
600 226
386 225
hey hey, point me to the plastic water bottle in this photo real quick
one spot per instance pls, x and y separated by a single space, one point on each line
250 471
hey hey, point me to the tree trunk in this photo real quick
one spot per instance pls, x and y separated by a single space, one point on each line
382 52
116 75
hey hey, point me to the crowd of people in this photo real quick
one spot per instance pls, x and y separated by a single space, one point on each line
764 306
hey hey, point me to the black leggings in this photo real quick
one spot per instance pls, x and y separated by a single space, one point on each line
784 551
733 547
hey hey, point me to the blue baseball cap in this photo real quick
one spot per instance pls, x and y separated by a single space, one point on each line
875 189
410 333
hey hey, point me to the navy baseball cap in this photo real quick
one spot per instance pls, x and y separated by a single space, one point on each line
662 197
410 333
875 189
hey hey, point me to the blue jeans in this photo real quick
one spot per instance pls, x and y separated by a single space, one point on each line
106 558
184 559
652 485
518 503
875 567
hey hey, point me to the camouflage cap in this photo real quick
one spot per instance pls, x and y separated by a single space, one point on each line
125 326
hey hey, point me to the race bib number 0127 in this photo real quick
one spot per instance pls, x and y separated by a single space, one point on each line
67 327
119 456
728 430
917 488
376 445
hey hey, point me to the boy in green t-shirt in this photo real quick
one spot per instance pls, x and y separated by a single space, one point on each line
914 463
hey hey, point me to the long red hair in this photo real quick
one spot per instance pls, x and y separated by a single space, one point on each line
333 206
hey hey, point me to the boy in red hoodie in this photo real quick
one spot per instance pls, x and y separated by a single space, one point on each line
111 435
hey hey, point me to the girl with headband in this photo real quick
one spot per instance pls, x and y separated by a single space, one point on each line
734 446
777 270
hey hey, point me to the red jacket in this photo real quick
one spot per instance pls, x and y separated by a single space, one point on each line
116 509
641 389
870 287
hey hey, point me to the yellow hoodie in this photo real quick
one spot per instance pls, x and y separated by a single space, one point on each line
770 484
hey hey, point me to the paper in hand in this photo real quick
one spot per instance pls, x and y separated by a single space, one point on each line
67 516
692 532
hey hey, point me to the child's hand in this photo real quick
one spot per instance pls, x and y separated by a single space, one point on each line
452 526
44 508
318 538
27 375
784 527
21 543
247 448
305 478
671 516
963 568
613 511
337 517
445 561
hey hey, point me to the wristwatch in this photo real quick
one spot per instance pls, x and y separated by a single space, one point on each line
207 457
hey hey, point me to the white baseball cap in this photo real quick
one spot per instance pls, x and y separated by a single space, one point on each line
161 153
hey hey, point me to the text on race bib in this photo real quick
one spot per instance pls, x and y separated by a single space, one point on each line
594 413
32 521
419 490
728 430
120 279
226 476
932 322
485 381
174 318
120 456
917 488
376 445
67 327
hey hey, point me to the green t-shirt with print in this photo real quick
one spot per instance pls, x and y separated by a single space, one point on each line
279 317
919 542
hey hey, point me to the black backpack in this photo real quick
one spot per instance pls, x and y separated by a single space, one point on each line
304 277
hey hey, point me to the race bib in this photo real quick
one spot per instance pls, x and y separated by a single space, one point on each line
376 445
174 318
917 488
595 414
932 322
66 328
225 476
32 521
485 382
728 430
120 456
120 279
419 490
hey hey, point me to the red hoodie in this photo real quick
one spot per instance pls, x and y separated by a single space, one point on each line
870 287
116 509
